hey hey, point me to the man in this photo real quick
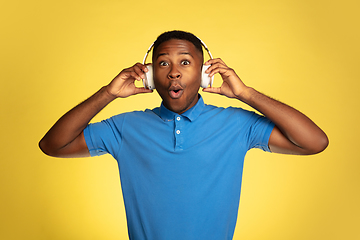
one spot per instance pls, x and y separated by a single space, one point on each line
181 164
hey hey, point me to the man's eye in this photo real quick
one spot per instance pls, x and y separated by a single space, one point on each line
163 64
185 62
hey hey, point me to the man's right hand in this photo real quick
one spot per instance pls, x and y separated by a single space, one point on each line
123 85
66 138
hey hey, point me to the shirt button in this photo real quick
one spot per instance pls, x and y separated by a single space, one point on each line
178 118
177 131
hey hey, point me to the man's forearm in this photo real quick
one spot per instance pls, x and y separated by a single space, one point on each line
70 126
295 126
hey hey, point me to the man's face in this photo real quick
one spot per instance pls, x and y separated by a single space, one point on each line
177 74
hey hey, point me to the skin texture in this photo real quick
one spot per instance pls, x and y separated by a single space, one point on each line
178 67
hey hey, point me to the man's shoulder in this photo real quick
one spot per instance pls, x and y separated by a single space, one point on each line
229 113
224 110
135 113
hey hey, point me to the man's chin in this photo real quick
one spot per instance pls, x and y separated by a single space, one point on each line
175 107
179 105
177 110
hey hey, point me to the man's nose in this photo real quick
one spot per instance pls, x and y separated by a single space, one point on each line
174 73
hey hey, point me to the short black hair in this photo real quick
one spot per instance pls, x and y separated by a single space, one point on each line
176 34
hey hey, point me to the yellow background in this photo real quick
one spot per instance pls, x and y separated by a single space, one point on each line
54 54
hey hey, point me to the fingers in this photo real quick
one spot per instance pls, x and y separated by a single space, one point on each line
123 84
136 72
214 60
232 86
131 74
217 66
139 69
142 90
212 90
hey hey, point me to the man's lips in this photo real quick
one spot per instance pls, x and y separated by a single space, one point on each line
176 94
175 91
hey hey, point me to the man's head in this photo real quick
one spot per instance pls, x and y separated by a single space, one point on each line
181 35
177 62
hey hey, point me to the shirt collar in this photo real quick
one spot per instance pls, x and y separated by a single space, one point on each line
191 114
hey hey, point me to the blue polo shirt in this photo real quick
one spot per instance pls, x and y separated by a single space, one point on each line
180 174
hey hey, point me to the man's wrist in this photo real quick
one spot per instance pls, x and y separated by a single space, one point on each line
247 95
108 93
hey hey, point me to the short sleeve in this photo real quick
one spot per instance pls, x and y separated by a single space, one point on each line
105 136
259 132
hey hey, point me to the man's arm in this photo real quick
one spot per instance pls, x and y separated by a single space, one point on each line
66 138
294 132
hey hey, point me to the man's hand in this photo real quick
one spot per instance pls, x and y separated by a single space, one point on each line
123 85
232 85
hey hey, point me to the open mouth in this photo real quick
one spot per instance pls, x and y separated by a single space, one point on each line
175 91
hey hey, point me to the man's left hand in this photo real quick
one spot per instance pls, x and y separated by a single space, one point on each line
232 85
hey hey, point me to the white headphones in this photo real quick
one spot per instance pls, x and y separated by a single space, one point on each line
205 79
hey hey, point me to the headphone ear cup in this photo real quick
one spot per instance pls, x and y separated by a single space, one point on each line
205 78
148 82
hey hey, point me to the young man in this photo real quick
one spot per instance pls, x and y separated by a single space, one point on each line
181 164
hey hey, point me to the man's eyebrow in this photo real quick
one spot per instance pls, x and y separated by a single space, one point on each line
186 53
161 54
181 53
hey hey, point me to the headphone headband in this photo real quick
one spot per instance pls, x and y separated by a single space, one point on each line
202 43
